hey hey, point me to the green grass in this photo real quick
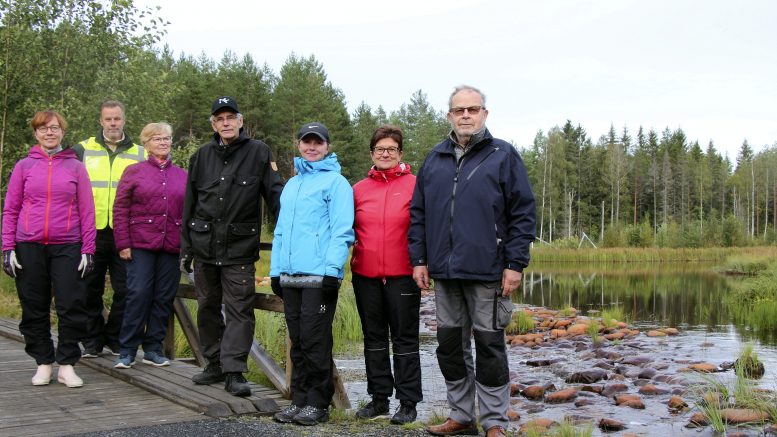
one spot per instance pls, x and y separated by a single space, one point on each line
564 429
611 316
566 311
542 254
593 332
521 323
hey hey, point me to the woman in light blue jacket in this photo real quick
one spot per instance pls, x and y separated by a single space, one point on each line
309 251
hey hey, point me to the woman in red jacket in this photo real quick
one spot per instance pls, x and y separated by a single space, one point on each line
147 216
387 298
48 246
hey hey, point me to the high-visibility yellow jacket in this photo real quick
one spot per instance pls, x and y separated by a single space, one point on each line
105 173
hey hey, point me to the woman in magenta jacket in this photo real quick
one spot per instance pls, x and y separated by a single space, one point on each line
147 216
48 244
387 298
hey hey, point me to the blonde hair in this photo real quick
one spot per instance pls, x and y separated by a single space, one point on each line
152 129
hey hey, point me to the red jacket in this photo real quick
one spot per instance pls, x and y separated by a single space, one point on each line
49 201
382 218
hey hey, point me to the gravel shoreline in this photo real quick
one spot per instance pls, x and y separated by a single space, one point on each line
261 426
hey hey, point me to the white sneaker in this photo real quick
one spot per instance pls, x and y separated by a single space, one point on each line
43 375
67 375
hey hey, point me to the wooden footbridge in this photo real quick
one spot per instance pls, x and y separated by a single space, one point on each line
143 395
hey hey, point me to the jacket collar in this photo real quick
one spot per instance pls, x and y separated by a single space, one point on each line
37 152
122 145
476 142
390 174
329 163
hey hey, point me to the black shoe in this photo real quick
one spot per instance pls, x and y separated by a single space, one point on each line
311 415
210 375
90 352
374 409
236 385
405 414
114 348
287 414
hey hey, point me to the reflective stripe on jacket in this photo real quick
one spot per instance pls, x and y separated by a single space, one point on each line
105 175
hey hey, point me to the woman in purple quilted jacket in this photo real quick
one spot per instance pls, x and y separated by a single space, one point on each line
147 215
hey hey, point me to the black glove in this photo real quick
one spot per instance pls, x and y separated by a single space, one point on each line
275 284
330 285
10 263
185 264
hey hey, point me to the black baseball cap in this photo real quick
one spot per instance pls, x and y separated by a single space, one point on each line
314 128
224 102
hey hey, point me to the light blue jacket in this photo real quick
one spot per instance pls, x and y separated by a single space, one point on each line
315 225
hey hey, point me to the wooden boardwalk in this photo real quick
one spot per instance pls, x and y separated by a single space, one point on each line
110 398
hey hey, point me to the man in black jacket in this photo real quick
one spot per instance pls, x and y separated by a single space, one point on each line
222 223
472 220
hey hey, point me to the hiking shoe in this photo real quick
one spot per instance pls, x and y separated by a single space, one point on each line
311 415
90 352
287 414
124 362
236 385
210 375
405 414
114 348
155 359
374 409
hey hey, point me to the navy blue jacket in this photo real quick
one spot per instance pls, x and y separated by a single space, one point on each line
473 218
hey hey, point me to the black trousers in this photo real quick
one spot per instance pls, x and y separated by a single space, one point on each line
47 268
386 307
225 341
101 332
309 317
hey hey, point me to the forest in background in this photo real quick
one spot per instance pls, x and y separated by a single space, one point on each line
630 187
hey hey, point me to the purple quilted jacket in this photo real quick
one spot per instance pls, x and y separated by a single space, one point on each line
149 205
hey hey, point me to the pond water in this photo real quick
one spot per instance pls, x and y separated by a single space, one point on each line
682 295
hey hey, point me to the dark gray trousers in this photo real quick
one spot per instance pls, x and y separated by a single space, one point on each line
225 338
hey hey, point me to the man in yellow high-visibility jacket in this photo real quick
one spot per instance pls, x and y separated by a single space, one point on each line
105 156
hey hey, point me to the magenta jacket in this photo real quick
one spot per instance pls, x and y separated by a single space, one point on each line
49 201
148 210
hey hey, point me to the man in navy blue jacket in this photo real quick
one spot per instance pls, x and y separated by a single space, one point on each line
472 221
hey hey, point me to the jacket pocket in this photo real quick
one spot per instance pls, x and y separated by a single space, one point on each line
200 236
243 240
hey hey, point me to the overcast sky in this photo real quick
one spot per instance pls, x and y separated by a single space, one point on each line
708 67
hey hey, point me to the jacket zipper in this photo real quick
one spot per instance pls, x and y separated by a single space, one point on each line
48 206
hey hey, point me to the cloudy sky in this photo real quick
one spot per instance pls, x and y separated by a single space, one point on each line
708 67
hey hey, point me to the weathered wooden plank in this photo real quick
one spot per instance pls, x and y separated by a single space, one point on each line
270 368
189 329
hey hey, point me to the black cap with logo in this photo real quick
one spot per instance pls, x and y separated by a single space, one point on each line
314 128
224 102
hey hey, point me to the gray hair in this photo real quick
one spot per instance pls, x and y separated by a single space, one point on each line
461 88
212 118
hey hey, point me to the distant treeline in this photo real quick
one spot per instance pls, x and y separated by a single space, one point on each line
648 190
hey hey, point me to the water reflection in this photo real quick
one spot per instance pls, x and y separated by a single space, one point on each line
686 295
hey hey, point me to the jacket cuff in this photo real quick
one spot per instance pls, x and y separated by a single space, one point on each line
512 265
418 262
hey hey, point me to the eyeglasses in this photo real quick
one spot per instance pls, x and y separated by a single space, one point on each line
230 118
472 110
381 150
44 129
162 139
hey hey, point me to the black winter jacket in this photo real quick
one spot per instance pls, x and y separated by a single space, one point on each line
473 218
222 210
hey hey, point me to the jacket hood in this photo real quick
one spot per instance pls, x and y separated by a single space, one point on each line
37 152
386 175
329 163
